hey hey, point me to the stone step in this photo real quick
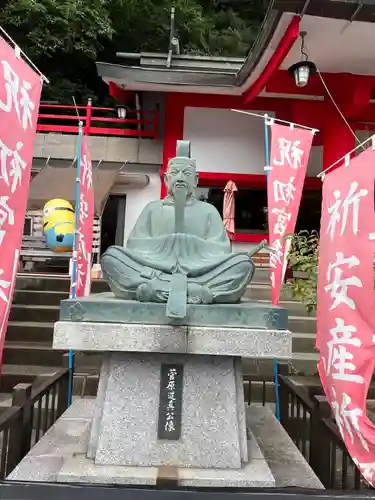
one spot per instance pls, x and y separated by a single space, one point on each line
29 331
262 291
294 308
303 342
261 275
31 353
35 312
40 297
303 324
305 363
42 354
60 283
302 363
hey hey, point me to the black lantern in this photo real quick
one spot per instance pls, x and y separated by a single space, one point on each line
121 111
302 70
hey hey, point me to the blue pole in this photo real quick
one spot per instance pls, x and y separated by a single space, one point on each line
275 364
74 253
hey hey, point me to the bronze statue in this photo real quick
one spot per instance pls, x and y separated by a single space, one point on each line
178 251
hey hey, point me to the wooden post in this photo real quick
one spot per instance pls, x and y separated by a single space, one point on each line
320 445
88 117
21 428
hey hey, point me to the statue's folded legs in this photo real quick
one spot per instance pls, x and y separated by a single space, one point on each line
130 280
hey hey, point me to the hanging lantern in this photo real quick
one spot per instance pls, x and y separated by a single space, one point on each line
302 70
121 111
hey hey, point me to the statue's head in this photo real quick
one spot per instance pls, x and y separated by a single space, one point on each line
181 172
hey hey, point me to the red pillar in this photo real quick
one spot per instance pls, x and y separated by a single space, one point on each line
338 140
173 132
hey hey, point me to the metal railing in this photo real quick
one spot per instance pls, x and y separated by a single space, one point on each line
60 118
309 423
33 412
258 388
306 418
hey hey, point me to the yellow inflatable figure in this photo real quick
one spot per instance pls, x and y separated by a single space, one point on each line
58 225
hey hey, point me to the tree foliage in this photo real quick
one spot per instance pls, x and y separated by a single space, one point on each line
303 259
64 38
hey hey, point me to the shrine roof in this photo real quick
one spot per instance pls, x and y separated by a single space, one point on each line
336 24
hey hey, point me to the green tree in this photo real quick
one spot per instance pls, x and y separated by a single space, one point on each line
303 259
64 38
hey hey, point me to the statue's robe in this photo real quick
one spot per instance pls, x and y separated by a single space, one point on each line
202 252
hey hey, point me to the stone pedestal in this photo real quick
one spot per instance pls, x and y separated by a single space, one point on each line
213 429
172 395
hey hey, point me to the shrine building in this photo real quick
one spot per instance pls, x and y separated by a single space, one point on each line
311 64
195 95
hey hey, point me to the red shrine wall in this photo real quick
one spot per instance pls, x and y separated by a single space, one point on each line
223 141
230 146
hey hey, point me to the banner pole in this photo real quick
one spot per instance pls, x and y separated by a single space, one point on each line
275 364
73 286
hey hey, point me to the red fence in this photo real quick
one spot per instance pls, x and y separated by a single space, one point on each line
97 121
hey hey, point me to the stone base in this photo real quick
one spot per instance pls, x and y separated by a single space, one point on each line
105 308
255 474
127 337
60 455
213 428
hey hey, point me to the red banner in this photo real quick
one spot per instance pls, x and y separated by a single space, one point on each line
20 89
85 224
289 156
346 303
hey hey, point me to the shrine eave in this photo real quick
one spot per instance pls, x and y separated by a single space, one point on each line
236 76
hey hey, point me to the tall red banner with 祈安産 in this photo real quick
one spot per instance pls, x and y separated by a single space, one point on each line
289 156
85 223
346 303
20 89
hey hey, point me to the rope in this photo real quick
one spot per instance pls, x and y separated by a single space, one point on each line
266 117
24 55
347 155
337 107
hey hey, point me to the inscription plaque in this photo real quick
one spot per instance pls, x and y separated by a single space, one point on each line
170 402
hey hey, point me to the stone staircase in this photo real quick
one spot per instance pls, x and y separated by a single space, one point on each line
301 324
28 353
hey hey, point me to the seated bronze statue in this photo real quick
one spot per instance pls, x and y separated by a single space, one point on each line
178 251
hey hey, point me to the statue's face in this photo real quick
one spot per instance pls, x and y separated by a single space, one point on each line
181 176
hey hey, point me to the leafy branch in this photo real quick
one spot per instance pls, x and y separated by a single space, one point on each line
303 259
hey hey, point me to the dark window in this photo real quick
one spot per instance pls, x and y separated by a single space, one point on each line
250 207
112 222
27 227
309 211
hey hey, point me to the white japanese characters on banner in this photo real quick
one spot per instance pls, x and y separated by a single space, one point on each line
289 156
85 224
346 303
20 89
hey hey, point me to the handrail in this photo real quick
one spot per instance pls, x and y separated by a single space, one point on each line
9 415
299 392
41 389
137 123
33 412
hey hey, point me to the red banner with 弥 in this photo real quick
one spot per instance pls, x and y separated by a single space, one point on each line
85 223
289 156
346 303
20 90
